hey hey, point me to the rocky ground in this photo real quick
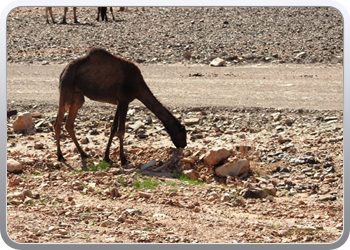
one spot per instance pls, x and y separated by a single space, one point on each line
194 35
290 188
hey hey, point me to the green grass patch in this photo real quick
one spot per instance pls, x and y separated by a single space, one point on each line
91 167
122 181
185 179
148 183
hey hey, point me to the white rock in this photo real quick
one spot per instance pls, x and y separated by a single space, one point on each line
225 197
137 125
233 168
216 156
191 121
300 55
148 164
13 165
217 62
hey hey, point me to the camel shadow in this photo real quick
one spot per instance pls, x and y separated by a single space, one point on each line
164 170
78 24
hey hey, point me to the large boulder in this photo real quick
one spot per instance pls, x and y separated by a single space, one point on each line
233 168
13 165
23 122
216 156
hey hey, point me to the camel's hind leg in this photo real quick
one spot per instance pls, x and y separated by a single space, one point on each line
111 9
77 102
62 109
119 128
64 21
49 10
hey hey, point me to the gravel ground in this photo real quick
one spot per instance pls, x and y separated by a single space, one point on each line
172 35
293 189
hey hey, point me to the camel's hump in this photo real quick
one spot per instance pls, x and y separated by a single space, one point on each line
99 53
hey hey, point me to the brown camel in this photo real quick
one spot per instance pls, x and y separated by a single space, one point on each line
49 10
103 77
103 12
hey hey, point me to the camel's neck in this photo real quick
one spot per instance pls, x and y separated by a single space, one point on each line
150 101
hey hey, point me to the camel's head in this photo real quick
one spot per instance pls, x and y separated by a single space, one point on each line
179 138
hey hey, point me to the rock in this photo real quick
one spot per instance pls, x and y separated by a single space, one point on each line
270 190
216 156
14 181
13 166
282 232
213 196
19 195
191 121
300 55
31 130
330 118
288 122
187 54
270 198
253 193
189 160
233 169
38 145
339 226
225 197
137 125
148 164
276 116
327 197
217 62
115 192
192 174
145 194
36 115
22 122
84 140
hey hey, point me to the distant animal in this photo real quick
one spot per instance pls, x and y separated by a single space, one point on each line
103 77
126 8
103 12
64 21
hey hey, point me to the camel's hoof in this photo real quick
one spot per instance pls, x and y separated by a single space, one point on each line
61 159
107 159
84 156
124 161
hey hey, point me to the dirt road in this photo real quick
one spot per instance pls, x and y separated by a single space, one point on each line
275 86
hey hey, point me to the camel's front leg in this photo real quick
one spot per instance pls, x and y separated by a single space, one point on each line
75 15
64 21
114 129
118 127
123 108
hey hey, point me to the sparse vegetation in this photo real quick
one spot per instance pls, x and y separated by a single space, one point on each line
147 183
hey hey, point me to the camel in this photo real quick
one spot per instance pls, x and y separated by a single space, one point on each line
49 10
103 11
103 77
126 9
